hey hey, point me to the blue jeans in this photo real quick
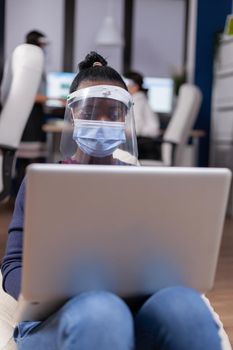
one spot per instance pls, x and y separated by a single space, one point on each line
174 318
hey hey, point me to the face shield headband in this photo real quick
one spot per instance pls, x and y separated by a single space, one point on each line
101 123
102 91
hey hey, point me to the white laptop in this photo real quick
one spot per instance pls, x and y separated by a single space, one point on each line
130 230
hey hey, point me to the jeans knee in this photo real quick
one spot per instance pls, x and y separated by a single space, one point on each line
98 306
175 303
180 313
95 315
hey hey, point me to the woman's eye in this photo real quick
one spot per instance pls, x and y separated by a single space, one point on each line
88 115
114 117
85 115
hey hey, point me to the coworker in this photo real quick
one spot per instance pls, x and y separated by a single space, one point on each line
33 130
40 39
146 121
99 110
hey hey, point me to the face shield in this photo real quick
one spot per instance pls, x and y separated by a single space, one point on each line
99 126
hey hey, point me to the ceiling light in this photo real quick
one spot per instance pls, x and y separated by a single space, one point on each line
109 34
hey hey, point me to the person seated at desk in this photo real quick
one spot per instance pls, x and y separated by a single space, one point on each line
99 109
33 130
146 121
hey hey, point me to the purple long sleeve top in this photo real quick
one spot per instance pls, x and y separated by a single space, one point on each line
12 262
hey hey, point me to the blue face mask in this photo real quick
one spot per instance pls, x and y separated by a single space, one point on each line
98 139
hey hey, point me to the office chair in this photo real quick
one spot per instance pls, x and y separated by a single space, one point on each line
26 67
178 130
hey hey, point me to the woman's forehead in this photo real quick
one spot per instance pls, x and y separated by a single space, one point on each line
100 102
99 91
89 83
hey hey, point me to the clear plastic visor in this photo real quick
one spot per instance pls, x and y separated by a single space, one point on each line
100 127
99 109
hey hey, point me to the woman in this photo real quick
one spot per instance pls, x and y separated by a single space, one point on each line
147 122
102 132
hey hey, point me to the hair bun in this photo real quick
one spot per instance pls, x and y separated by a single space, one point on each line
91 59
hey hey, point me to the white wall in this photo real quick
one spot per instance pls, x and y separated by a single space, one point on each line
23 16
158 36
89 17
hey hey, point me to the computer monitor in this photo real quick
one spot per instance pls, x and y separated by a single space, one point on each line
160 94
58 84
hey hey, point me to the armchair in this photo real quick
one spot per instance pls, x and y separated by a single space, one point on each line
176 135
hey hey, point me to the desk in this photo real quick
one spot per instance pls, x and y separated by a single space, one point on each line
196 135
54 131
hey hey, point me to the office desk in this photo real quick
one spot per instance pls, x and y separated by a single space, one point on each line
53 131
195 135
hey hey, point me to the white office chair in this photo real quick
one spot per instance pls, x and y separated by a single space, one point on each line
26 67
8 307
177 133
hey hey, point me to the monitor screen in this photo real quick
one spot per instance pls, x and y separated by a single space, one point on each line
58 84
160 93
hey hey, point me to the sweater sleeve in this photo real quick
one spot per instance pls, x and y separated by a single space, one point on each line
12 261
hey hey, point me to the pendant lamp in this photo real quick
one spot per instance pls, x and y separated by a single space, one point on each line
109 34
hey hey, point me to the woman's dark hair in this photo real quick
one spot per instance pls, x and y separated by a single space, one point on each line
137 78
34 37
95 68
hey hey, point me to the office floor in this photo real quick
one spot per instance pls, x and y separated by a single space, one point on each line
221 297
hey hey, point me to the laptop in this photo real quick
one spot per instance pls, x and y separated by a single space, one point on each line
160 94
130 230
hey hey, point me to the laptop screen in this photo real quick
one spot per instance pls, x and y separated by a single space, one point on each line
160 94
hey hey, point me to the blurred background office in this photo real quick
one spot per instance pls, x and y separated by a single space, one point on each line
177 37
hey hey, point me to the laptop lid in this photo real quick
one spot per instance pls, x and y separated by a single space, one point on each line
131 230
